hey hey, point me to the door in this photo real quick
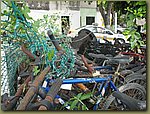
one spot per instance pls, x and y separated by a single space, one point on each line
65 24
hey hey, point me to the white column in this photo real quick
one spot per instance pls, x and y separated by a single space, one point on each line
115 22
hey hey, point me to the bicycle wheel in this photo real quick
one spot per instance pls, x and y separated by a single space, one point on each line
140 79
133 90
135 69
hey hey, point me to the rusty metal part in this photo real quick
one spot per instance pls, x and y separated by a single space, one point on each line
82 87
27 52
10 103
86 64
20 89
55 42
33 89
52 93
42 92
33 106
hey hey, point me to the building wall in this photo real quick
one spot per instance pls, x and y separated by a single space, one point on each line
86 4
74 16
77 12
58 5
84 12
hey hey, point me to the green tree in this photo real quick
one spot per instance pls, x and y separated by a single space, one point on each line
128 13
136 10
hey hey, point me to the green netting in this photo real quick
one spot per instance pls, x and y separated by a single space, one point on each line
11 58
23 33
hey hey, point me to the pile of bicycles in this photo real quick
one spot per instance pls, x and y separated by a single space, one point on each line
118 82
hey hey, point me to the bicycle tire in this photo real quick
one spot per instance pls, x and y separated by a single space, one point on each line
140 79
142 70
84 36
123 89
130 66
135 69
125 73
128 102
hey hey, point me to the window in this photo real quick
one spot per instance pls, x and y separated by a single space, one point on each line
74 5
99 30
38 5
90 20
108 32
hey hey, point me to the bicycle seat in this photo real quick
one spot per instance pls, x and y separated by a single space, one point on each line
131 103
121 59
116 59
98 56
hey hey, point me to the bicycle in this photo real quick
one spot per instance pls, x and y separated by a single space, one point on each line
79 81
102 90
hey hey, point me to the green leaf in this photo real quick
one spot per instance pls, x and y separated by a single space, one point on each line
130 23
84 107
137 35
98 2
141 42
141 15
79 95
27 16
132 45
35 70
73 104
126 32
50 55
141 3
131 16
85 96
140 9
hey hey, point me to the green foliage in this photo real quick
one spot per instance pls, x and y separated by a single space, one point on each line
135 10
50 55
39 26
36 70
13 25
18 30
47 22
76 103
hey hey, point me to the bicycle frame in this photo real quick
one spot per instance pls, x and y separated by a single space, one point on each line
106 82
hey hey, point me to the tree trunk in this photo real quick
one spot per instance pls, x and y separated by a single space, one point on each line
106 13
102 11
109 8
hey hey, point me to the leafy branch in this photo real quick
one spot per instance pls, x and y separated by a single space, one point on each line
76 103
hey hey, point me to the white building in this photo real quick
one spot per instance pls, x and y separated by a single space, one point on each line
78 13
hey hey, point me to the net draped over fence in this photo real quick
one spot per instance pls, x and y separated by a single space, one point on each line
13 56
